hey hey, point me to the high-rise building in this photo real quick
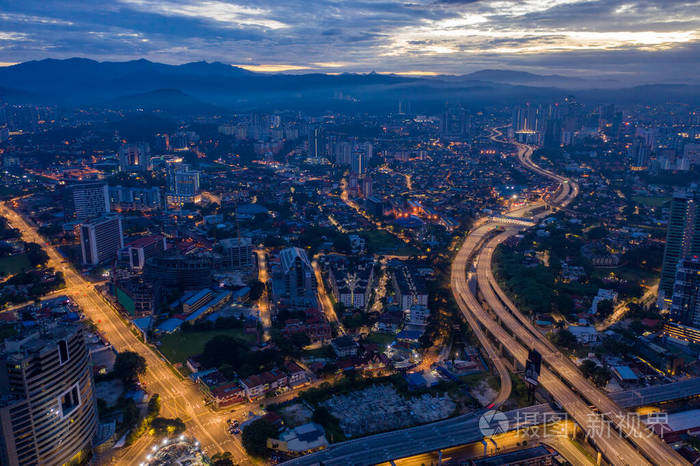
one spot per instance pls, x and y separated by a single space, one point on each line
183 183
85 201
294 281
316 148
529 124
358 162
183 140
343 153
48 412
125 197
685 303
138 251
528 118
237 252
135 157
454 123
639 153
101 239
682 240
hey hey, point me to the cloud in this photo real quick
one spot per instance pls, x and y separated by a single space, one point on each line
439 36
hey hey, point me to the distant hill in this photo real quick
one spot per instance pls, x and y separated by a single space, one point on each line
169 100
203 87
539 80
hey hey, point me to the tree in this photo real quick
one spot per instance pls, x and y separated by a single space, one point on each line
222 459
165 426
601 377
36 255
153 406
300 339
339 308
256 290
587 368
564 338
605 308
255 437
129 366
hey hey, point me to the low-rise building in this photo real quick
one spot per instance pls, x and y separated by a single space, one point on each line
345 346
301 440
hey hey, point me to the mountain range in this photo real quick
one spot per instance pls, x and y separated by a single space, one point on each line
203 87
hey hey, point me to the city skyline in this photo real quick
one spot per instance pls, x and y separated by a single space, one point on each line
623 40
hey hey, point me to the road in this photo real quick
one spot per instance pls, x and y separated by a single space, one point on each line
264 302
324 299
517 335
179 398
455 432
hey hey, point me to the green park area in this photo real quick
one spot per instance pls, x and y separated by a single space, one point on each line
179 346
383 242
651 201
11 265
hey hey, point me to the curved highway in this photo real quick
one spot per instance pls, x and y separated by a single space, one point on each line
560 376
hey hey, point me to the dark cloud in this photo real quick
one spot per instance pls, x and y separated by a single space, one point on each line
451 36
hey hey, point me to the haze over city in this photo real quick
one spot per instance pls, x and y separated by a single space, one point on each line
459 232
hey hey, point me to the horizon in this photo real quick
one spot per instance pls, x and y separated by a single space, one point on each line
637 40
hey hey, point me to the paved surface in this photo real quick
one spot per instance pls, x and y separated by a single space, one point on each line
434 436
657 393
179 398
440 435
513 330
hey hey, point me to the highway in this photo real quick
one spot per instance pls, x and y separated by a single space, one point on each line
519 326
440 435
179 397
616 449
516 334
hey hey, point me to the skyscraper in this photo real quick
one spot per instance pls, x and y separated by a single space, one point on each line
183 184
296 282
454 123
135 157
682 240
101 239
685 303
47 408
85 201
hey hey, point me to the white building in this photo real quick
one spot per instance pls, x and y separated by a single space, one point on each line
101 239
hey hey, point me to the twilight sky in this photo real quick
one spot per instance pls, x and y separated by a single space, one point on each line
655 40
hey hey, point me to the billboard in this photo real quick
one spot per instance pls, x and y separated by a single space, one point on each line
532 367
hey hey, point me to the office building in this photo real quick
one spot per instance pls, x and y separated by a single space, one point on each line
639 153
131 198
358 162
685 303
529 124
682 240
101 239
138 251
48 412
176 270
184 185
343 153
85 201
135 157
454 123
